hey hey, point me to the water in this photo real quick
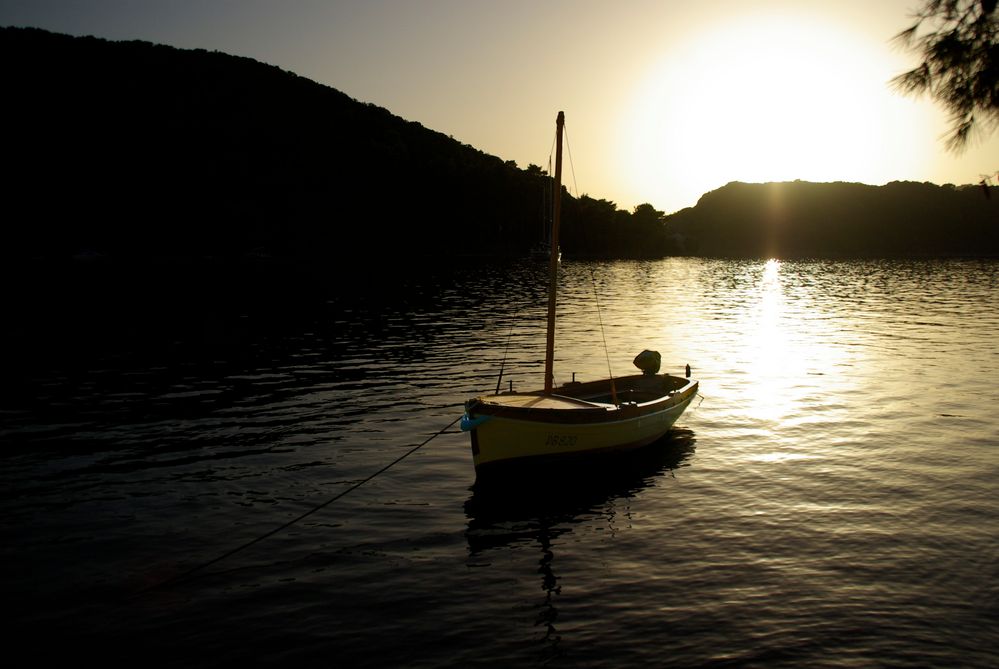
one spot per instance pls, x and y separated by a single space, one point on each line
831 501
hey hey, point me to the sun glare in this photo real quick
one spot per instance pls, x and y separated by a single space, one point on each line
768 99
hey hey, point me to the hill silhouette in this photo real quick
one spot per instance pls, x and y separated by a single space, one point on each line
838 220
130 149
133 151
155 196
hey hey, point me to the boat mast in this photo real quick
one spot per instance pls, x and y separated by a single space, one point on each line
553 257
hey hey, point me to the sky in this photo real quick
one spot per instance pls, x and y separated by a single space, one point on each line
664 100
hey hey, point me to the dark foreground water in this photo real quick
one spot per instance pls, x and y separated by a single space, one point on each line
831 501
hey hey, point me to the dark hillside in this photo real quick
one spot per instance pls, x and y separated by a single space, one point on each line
839 220
132 151
150 191
133 148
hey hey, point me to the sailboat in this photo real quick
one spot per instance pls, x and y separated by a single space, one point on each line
578 418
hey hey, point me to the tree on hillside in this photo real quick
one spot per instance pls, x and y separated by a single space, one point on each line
646 214
960 69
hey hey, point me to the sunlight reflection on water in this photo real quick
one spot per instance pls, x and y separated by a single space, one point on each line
830 499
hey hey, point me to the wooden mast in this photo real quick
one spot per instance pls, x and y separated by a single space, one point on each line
553 258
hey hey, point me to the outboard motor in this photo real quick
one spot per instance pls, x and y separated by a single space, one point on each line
648 362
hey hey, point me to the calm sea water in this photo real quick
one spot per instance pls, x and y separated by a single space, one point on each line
832 499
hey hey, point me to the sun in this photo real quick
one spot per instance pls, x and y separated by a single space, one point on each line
769 99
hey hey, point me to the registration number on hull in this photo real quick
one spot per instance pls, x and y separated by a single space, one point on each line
561 440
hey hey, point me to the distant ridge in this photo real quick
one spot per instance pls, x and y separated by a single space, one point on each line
839 220
130 150
124 148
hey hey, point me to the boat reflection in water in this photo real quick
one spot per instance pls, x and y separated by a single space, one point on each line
540 505
559 492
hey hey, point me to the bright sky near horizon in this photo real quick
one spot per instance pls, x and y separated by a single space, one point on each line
664 100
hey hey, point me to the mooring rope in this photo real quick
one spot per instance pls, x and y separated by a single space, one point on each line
187 574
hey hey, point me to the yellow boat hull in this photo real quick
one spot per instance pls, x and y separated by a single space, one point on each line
533 427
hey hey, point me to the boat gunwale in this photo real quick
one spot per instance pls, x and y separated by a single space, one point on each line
598 413
510 464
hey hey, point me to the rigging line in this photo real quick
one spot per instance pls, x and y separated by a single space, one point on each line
600 320
187 574
503 363
572 168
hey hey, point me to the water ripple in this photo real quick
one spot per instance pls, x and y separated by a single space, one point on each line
830 500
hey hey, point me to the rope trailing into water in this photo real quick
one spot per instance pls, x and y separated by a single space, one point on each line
190 572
